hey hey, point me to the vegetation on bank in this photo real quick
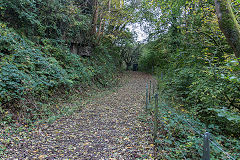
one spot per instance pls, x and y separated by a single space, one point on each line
53 47
200 69
49 48
52 52
197 69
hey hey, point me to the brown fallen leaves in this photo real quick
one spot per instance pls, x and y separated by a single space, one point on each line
107 127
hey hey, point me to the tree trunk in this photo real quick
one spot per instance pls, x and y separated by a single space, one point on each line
228 24
95 17
100 26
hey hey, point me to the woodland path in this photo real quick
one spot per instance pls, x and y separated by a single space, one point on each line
107 127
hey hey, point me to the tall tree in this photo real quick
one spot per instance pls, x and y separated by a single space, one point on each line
228 24
95 17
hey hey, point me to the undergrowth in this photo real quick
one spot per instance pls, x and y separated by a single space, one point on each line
39 79
180 135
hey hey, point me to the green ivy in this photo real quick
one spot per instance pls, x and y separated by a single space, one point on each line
27 68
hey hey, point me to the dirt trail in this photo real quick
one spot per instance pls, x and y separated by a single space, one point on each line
107 128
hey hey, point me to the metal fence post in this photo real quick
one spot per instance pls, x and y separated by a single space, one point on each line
150 92
206 147
153 89
155 127
146 96
155 118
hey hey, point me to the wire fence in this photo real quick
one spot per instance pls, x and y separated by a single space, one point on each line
168 139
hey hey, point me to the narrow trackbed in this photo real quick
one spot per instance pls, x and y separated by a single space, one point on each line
106 128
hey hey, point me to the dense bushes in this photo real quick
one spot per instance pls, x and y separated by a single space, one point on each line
28 68
200 71
36 37
50 19
212 98
207 87
180 136
153 55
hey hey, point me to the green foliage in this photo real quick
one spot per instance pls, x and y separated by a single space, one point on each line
199 68
31 70
201 77
37 67
35 58
203 92
127 48
153 55
179 136
24 11
26 69
51 19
